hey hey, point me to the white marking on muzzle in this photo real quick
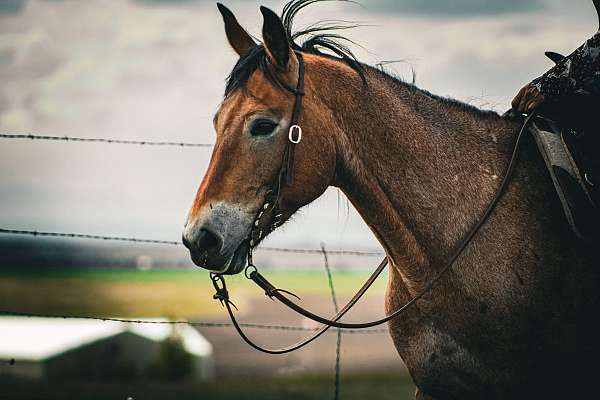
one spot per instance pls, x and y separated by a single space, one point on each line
230 222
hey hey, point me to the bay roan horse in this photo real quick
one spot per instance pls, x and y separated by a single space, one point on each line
516 316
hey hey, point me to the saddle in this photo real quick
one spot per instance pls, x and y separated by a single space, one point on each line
568 154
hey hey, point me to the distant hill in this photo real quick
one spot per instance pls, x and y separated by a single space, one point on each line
18 253
36 253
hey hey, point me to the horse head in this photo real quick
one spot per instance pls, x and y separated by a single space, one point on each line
252 125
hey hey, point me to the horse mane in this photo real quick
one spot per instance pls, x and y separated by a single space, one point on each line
319 39
322 39
396 81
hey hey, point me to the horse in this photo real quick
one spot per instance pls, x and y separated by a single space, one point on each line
514 317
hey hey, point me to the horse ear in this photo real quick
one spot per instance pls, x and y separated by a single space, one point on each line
275 39
597 5
238 38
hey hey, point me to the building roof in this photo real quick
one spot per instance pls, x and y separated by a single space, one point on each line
37 339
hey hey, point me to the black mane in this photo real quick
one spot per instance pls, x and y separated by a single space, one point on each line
318 37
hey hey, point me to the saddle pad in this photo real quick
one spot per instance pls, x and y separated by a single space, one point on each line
576 201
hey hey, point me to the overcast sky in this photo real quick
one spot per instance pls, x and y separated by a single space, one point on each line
149 69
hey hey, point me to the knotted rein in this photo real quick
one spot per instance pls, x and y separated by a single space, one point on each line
269 210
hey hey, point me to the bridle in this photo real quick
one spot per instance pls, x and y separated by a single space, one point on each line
285 176
269 211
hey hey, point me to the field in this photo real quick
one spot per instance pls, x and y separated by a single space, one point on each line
154 293
188 294
380 386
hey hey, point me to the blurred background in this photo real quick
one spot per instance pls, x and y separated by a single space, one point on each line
155 70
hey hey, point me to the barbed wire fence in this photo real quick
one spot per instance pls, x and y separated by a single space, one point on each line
103 140
199 324
36 233
336 309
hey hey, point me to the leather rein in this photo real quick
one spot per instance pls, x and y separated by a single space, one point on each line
269 209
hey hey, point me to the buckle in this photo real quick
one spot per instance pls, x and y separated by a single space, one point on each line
298 138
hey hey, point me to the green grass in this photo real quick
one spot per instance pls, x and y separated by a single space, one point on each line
170 293
314 281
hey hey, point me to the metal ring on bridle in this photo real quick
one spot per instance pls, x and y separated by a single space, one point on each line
252 268
291 134
218 281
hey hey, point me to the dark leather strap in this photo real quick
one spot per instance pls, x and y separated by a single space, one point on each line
295 123
286 173
285 176
306 341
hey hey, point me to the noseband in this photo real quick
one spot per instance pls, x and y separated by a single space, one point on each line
269 211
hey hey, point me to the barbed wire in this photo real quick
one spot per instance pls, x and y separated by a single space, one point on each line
86 236
103 140
356 253
338 344
176 243
200 324
149 241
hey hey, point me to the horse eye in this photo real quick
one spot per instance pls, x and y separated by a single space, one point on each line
262 127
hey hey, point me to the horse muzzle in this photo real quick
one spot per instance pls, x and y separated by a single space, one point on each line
217 241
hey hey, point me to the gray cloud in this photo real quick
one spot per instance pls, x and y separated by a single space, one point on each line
11 6
159 75
455 7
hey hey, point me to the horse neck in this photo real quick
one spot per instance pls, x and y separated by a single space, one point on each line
419 169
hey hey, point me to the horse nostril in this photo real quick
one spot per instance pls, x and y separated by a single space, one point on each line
208 241
186 242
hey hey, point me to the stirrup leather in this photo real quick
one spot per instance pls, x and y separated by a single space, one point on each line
571 180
